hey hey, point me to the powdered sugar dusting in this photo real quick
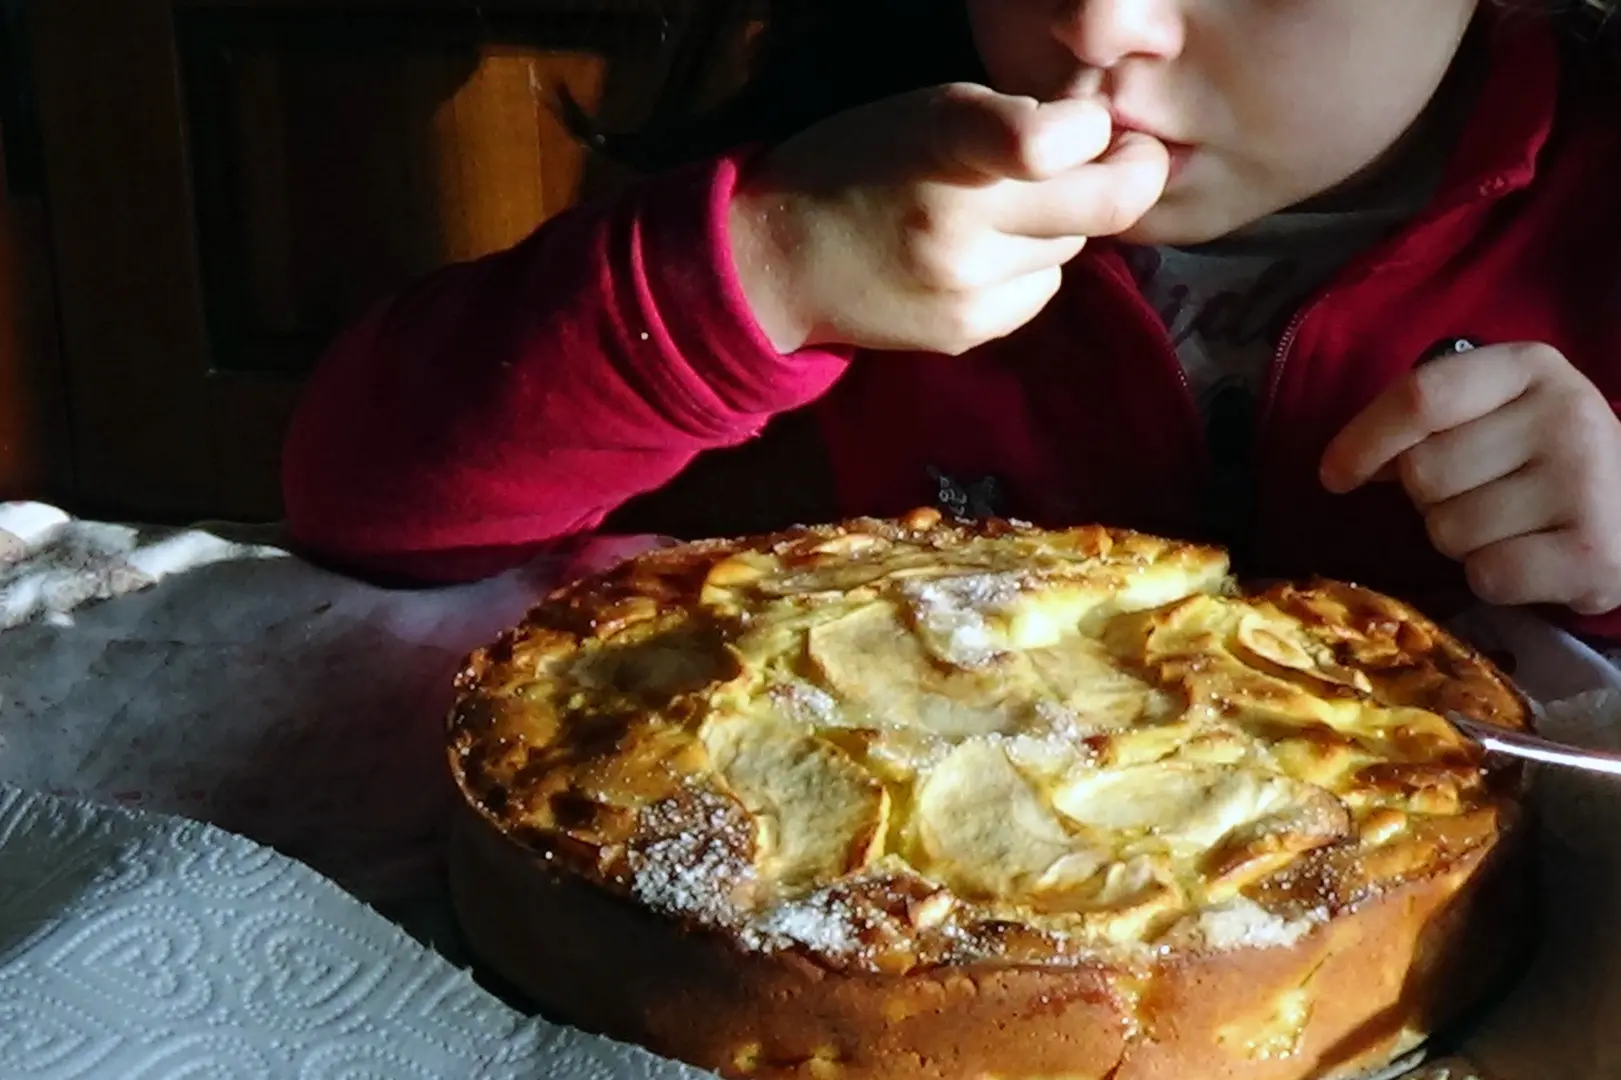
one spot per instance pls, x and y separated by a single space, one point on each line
821 922
1242 923
695 860
951 614
808 703
1059 719
695 866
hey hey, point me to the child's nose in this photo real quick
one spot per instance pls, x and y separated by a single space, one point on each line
1102 33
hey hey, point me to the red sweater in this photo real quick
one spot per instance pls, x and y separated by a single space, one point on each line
510 402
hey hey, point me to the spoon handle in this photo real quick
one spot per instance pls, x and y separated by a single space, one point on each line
1535 748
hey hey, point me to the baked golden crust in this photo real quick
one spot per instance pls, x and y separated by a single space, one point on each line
1355 993
847 764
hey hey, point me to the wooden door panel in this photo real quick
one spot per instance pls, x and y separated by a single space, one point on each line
249 416
126 274
336 161
35 454
235 180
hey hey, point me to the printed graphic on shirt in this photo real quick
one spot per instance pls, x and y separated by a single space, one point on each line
970 499
1228 305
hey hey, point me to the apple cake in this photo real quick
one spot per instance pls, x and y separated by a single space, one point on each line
917 798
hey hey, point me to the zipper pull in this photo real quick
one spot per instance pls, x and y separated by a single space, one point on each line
1453 346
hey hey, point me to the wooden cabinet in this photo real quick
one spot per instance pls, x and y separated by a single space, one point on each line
231 181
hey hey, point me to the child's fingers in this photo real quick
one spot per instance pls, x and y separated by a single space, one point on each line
993 313
994 135
1449 463
1540 568
1433 398
1102 198
992 259
1517 505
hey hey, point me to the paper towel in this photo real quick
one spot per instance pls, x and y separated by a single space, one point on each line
137 946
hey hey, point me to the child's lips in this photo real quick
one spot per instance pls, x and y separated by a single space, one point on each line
1126 122
1180 152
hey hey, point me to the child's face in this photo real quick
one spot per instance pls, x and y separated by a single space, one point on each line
1264 103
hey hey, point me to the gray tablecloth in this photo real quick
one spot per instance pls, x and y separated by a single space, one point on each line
148 673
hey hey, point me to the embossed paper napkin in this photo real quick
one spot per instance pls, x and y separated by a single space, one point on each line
136 946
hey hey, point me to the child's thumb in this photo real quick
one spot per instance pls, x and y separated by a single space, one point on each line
1016 138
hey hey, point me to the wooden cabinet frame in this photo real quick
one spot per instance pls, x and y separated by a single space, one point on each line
160 429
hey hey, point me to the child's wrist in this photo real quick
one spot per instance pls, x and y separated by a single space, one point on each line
765 230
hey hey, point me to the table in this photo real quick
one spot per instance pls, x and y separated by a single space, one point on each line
206 673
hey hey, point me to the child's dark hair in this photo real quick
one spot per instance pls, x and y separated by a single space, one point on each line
811 60
1602 9
816 58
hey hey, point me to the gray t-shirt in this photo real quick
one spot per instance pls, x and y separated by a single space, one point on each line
1228 303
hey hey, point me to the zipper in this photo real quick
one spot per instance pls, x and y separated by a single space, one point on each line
1379 259
1190 404
1266 405
1154 326
1280 358
1382 257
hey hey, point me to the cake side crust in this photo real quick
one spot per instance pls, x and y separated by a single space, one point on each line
1348 998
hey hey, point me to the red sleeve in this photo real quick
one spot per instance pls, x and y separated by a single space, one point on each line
507 403
1603 632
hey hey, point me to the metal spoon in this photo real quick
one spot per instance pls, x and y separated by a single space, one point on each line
1535 748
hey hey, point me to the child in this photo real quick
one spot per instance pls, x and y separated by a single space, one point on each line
1211 268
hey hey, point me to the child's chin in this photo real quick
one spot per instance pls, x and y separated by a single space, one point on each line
1183 218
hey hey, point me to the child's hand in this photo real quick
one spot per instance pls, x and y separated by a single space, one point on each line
1514 458
936 220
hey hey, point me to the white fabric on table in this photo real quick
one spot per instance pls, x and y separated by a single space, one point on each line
180 671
